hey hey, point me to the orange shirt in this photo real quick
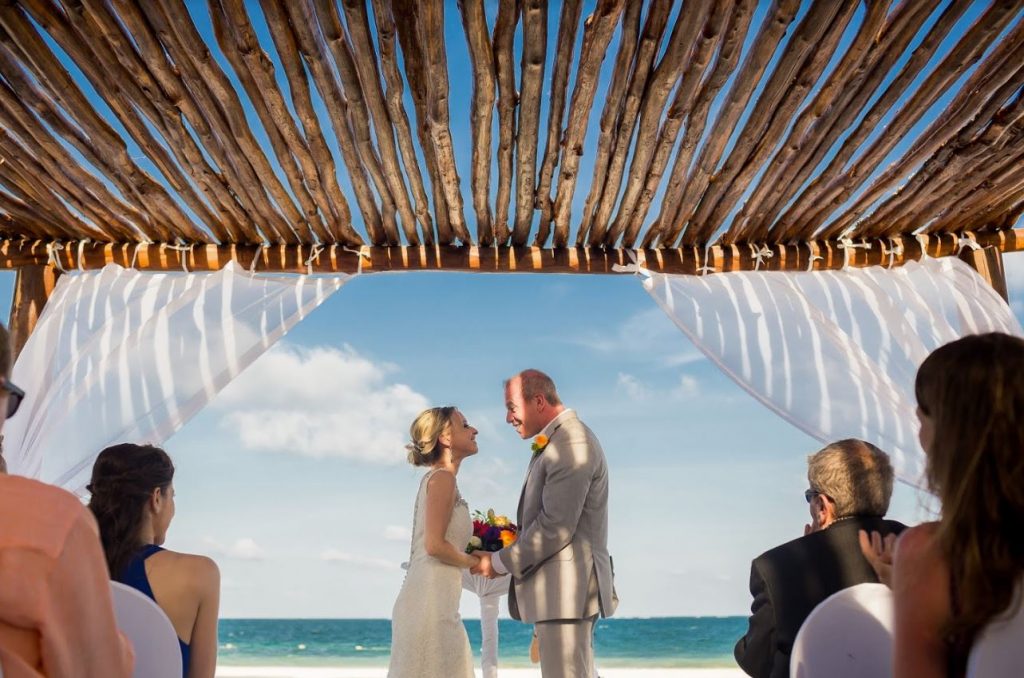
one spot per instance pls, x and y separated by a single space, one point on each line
56 615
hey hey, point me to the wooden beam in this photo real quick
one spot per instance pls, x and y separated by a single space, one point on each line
32 288
988 262
590 260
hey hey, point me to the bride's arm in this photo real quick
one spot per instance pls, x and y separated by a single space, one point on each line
440 500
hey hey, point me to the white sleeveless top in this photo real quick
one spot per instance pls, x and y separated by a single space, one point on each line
999 648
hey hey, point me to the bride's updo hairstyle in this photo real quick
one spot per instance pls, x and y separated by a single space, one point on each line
425 430
123 479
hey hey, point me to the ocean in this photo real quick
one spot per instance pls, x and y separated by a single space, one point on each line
663 642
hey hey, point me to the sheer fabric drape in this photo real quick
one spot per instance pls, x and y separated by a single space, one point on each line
835 352
119 355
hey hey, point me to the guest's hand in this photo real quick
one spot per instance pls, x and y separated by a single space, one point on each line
879 553
808 529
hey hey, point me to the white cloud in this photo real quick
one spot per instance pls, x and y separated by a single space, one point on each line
344 558
244 548
648 336
397 533
688 387
632 386
321 402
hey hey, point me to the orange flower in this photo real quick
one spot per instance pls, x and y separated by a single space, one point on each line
539 443
508 537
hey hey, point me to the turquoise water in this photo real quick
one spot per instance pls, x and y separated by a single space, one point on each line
674 642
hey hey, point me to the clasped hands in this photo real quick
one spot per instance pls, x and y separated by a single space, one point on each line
483 566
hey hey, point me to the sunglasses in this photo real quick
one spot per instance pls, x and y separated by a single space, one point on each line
811 494
14 396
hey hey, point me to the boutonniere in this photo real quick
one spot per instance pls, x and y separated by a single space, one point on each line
538 444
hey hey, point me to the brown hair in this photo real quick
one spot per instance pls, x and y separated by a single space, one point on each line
425 430
973 391
123 479
854 474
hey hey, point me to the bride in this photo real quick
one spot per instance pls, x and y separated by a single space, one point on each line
427 635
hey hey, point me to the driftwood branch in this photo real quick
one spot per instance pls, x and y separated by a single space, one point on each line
596 35
474 22
805 56
664 230
568 24
287 30
643 182
609 115
535 43
647 49
364 56
508 100
431 25
394 89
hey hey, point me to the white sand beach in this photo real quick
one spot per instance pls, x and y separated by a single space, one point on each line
341 672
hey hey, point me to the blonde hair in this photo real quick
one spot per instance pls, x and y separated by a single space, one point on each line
425 431
854 474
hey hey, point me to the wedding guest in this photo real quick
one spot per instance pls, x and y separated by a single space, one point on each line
56 614
133 500
953 577
850 484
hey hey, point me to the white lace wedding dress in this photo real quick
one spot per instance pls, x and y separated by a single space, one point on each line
428 639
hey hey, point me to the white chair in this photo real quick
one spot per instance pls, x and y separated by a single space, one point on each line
848 635
157 653
999 648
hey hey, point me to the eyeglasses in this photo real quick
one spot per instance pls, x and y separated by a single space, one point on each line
14 396
810 494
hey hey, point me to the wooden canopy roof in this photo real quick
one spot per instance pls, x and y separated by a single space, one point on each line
649 124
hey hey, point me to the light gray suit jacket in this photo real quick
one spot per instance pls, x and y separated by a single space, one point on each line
560 565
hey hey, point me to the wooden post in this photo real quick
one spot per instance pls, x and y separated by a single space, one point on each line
32 288
988 261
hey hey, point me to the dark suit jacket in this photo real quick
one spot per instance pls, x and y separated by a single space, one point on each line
789 581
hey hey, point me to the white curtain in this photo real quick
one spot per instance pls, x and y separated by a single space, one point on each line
124 356
835 352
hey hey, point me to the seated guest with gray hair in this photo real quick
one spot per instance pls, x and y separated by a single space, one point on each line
850 483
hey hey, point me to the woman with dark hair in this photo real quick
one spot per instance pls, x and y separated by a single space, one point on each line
133 501
953 578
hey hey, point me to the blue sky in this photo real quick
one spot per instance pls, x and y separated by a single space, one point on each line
703 478
294 479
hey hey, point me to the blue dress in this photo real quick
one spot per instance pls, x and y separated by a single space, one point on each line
134 575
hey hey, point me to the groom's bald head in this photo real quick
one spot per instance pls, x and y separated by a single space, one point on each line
537 383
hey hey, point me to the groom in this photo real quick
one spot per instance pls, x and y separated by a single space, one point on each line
560 567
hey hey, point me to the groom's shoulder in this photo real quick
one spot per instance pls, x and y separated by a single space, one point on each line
573 425
577 431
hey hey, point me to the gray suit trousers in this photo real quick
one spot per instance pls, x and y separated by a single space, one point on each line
567 645
567 648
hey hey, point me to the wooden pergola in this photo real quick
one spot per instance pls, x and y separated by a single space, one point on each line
702 159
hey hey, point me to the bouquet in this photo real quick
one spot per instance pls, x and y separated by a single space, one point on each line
491 532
